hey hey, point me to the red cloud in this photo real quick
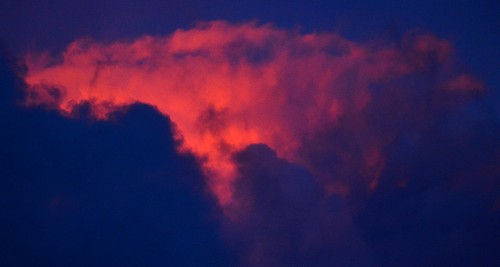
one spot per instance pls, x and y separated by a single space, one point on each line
226 86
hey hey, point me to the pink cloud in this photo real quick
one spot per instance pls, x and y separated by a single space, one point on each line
227 86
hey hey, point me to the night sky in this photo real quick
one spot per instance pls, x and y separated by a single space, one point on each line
249 133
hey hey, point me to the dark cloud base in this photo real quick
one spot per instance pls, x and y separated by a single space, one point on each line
78 192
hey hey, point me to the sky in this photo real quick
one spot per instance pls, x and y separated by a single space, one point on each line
249 133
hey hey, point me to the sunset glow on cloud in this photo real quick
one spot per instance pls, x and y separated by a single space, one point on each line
226 86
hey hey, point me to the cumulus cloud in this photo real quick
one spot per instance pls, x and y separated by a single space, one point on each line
372 153
226 86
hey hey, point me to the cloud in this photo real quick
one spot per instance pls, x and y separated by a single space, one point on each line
247 83
373 153
284 219
79 192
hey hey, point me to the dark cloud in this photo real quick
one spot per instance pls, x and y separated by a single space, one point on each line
437 199
80 192
421 165
436 203
284 219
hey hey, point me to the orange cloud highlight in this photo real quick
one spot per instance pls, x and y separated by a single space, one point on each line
226 86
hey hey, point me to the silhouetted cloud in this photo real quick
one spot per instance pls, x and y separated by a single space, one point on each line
80 192
284 219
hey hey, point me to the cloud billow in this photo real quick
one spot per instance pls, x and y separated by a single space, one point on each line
319 150
227 86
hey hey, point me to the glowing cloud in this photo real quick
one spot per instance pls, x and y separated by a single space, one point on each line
227 86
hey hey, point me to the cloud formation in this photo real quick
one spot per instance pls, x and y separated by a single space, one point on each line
322 151
227 86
